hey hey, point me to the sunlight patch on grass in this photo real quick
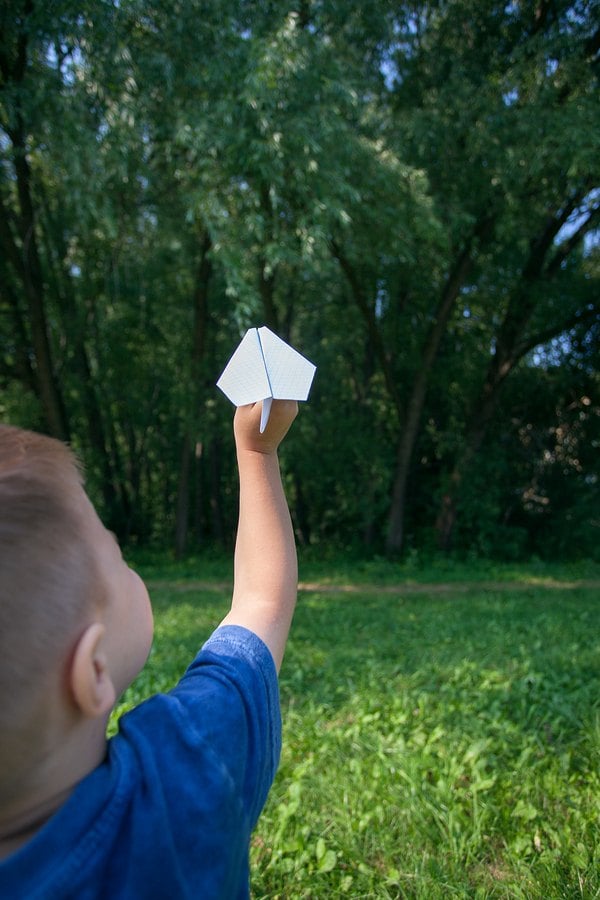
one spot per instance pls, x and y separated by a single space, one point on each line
437 745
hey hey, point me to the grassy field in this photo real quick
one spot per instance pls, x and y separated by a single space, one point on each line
441 729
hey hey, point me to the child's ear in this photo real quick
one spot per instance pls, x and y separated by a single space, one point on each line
90 681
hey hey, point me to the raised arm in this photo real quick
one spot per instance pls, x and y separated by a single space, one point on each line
265 564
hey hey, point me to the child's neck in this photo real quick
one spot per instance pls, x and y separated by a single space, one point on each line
21 828
22 817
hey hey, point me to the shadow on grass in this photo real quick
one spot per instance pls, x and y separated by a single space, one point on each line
531 656
525 659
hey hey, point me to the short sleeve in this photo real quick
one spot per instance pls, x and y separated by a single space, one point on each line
170 811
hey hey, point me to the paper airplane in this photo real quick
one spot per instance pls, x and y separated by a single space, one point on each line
265 368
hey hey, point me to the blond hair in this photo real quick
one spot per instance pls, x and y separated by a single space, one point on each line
49 580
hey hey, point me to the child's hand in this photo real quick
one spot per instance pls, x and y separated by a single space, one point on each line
246 426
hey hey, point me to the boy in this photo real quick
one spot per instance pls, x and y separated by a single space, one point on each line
165 809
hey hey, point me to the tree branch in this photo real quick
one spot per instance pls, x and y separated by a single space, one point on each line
371 323
573 241
589 315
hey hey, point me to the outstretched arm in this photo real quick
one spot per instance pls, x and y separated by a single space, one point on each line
265 565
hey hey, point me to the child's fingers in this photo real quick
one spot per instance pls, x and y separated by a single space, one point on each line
283 413
247 425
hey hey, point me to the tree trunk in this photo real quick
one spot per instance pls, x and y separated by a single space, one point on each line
75 326
183 498
481 416
373 331
215 499
414 410
26 263
200 301
25 258
410 417
300 513
511 345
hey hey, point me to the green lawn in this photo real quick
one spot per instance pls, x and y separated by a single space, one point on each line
439 742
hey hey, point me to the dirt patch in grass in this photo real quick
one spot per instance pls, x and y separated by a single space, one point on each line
409 587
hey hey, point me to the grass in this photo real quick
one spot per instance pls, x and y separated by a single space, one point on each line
338 569
436 745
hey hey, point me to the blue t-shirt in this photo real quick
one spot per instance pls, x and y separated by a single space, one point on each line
169 813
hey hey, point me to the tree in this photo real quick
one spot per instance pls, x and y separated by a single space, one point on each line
408 193
19 228
480 88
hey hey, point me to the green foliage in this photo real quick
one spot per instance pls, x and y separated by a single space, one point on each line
409 194
435 743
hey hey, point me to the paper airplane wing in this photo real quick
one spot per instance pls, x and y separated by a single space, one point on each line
290 374
244 378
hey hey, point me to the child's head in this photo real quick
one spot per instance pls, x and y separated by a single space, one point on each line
75 621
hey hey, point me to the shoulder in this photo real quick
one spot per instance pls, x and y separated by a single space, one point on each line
240 648
187 774
224 710
235 662
231 689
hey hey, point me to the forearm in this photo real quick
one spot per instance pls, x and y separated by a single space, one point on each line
265 564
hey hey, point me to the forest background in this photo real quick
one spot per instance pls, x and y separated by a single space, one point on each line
408 193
